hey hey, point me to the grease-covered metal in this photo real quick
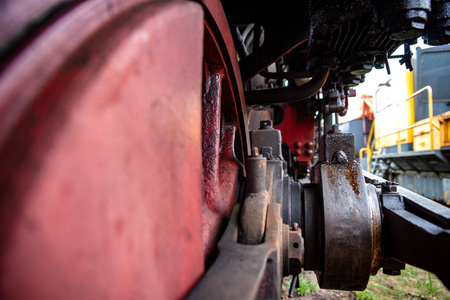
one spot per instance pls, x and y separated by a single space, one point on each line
254 209
347 227
351 225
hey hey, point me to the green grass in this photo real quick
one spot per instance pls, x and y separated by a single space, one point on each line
285 286
366 295
413 283
306 286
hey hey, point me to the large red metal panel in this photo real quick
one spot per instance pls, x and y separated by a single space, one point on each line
298 133
222 171
100 166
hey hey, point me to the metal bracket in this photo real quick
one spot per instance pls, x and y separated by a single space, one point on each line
242 271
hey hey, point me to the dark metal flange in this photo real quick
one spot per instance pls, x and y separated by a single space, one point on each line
348 245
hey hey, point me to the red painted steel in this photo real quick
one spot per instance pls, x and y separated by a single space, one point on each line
298 132
101 163
218 26
20 18
222 171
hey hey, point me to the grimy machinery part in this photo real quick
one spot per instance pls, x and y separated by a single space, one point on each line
345 225
124 144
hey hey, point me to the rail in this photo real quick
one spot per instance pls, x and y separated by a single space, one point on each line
369 150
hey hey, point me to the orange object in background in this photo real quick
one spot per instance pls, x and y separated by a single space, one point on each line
359 108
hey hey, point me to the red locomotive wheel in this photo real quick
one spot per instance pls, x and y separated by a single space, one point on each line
116 178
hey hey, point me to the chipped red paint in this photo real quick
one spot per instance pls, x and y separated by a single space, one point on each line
298 132
222 171
106 154
101 181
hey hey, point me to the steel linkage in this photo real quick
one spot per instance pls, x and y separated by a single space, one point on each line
347 216
416 230
344 225
298 93
263 241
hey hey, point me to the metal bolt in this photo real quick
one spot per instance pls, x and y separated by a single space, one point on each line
255 151
375 182
266 124
267 152
309 145
335 129
298 152
297 145
295 226
339 157
389 187
309 152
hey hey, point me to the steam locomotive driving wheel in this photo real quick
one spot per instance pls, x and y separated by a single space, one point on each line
118 135
132 167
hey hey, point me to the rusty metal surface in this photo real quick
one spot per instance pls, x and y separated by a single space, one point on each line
268 184
290 94
376 221
425 246
266 136
426 208
96 130
218 24
224 127
243 271
222 171
416 230
295 251
118 174
296 212
253 218
429 210
312 226
347 227
254 208
336 141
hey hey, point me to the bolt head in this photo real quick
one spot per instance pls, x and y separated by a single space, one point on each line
389 187
335 129
266 124
309 145
255 152
339 157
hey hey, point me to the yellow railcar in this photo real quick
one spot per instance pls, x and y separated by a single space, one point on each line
411 134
